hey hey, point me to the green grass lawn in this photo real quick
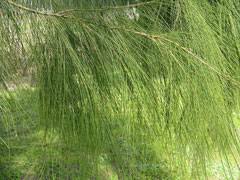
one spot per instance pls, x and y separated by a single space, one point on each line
26 153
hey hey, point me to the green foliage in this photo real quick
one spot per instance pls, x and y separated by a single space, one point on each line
154 83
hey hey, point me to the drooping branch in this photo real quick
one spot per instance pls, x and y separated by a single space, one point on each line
19 6
143 34
63 12
155 37
109 8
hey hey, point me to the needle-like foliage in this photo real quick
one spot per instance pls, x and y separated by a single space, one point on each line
137 83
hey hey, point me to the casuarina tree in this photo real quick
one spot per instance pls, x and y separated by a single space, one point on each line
148 87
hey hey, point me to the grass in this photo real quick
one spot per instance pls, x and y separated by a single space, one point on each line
27 155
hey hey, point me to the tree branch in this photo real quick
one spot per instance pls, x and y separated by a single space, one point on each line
19 6
109 8
63 12
185 49
149 36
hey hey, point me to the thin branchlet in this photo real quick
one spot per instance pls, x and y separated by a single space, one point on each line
19 6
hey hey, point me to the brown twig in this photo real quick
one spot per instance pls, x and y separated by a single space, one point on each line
19 6
63 12
109 8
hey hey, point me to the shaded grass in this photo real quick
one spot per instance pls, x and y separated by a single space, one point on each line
29 154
